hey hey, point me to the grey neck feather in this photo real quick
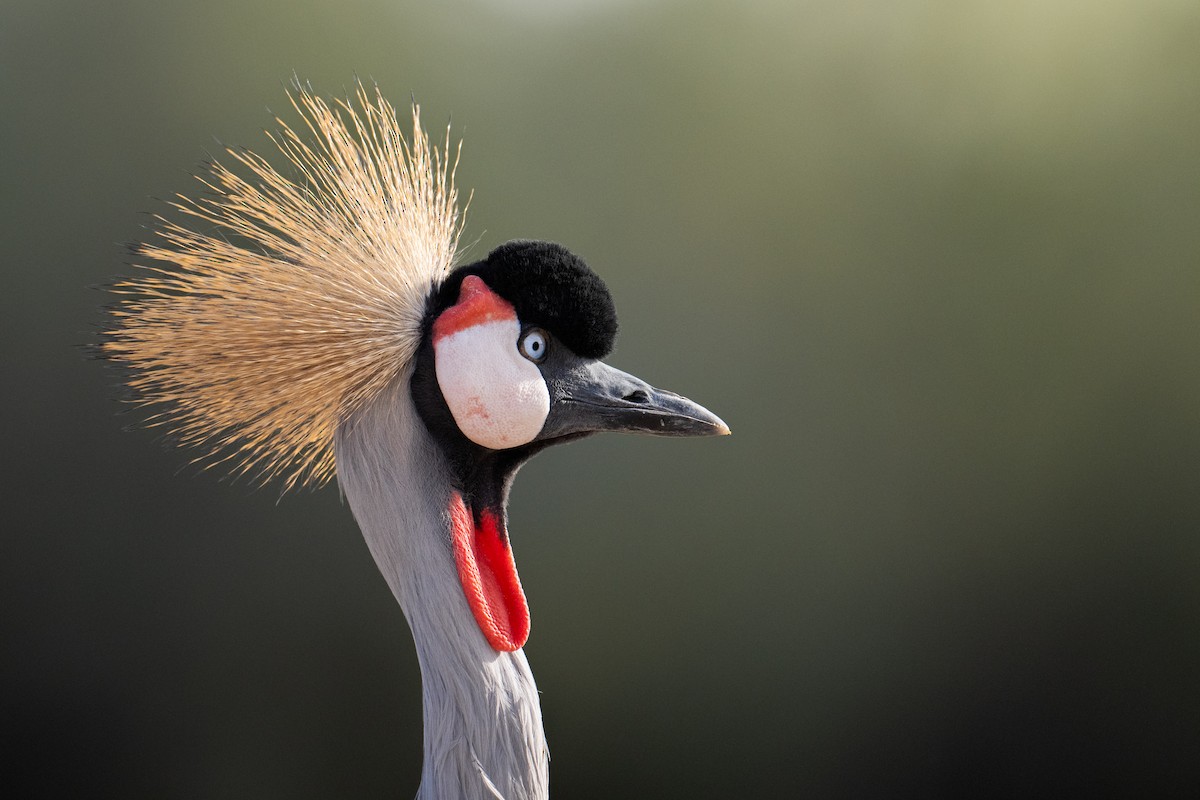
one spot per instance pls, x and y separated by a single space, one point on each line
483 722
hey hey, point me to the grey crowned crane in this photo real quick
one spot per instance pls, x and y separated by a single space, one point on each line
301 327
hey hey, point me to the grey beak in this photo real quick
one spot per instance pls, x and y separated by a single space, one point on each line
592 397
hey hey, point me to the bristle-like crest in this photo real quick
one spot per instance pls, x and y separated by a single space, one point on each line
290 301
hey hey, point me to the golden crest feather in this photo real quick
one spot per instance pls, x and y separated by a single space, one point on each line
292 300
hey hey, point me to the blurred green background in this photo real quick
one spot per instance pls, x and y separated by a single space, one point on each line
936 263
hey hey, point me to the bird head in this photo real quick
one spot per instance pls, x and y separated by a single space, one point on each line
510 363
510 360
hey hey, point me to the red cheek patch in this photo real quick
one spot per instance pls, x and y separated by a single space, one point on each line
488 575
476 305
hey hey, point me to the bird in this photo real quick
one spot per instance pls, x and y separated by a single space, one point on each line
313 321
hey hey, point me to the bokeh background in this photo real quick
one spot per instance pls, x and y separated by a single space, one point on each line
937 263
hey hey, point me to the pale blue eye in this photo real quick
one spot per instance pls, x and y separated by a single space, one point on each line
533 345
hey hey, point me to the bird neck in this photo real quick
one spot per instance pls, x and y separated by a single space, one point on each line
483 722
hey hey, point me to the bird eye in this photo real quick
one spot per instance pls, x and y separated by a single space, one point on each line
533 345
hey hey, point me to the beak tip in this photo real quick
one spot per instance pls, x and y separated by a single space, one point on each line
719 428
709 423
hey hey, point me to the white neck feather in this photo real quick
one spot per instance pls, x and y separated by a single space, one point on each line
483 722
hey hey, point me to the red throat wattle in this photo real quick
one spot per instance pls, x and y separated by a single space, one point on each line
488 575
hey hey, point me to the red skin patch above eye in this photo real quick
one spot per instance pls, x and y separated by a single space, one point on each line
488 575
476 305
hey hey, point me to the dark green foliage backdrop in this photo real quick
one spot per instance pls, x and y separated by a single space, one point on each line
937 264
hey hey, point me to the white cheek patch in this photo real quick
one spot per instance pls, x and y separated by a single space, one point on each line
498 398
